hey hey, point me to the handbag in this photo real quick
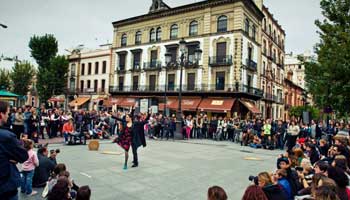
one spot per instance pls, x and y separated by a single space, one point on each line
45 191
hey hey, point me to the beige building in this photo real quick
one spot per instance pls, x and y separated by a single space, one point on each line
89 77
228 74
272 68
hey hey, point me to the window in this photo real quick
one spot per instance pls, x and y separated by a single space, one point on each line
174 31
152 35
138 37
81 86
124 40
135 83
191 54
88 84
270 29
154 57
221 52
122 62
72 70
246 26
264 24
250 53
191 79
95 85
173 52
222 24
72 85
152 82
220 81
82 69
264 47
193 28
104 67
137 59
89 68
264 68
159 34
274 35
171 82
96 67
103 85
253 32
121 83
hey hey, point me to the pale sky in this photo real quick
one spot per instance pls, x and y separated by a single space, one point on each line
89 22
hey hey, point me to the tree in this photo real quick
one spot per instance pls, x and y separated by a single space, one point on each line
52 70
43 49
327 78
4 79
22 76
297 111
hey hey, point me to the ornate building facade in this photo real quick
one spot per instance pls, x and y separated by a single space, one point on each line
228 76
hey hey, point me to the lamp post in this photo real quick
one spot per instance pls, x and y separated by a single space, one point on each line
183 61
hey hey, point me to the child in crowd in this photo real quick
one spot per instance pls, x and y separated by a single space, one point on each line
28 169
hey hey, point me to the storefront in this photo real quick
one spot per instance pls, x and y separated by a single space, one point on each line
217 107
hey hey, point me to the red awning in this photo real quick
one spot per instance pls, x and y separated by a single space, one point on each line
251 107
187 104
216 105
168 102
53 99
116 100
127 102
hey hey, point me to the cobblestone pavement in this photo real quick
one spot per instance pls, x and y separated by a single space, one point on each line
168 170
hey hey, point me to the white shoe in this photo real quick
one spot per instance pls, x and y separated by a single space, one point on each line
33 193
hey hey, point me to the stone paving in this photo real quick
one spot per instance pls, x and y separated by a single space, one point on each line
168 170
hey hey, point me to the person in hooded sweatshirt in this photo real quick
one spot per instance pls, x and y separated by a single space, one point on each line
281 178
272 191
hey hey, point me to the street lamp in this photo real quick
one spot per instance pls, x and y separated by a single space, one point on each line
183 62
3 25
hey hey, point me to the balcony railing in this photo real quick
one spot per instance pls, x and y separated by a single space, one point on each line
136 67
121 69
251 64
224 88
220 60
153 65
87 90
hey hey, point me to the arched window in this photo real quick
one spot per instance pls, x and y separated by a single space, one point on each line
193 28
246 26
124 40
138 37
174 29
222 24
152 35
159 34
264 24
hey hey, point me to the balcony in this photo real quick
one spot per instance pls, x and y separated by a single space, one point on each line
192 88
121 69
220 60
90 91
250 64
153 65
280 66
136 67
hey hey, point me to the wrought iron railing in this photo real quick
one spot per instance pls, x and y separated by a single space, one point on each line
220 60
251 64
153 65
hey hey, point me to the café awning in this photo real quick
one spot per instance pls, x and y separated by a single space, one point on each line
168 102
251 107
127 102
219 105
79 101
187 104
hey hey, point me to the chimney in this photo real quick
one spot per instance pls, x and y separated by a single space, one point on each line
259 3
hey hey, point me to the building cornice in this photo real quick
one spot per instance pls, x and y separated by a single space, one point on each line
265 9
187 8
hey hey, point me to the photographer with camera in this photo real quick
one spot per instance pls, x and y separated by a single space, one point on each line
271 190
45 168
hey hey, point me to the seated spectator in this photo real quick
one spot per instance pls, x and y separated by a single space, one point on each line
73 188
312 153
84 193
43 171
254 192
321 167
68 130
281 179
56 172
342 181
216 193
292 175
272 191
256 142
325 193
323 148
61 190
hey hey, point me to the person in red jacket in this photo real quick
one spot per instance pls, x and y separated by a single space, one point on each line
68 130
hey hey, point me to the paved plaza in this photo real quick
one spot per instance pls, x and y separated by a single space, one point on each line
168 170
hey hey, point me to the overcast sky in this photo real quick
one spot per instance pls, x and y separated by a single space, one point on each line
88 22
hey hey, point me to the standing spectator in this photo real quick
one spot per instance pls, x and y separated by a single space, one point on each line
216 193
11 153
28 169
189 126
280 133
293 132
27 115
18 124
267 141
199 127
33 122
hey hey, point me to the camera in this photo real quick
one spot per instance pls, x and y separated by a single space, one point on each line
253 179
300 169
57 151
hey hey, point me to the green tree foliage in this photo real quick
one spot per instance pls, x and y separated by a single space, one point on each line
43 49
297 111
52 70
328 77
4 79
22 76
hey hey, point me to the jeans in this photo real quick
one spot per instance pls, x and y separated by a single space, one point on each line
27 180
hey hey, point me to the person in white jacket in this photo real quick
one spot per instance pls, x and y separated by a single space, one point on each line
293 133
